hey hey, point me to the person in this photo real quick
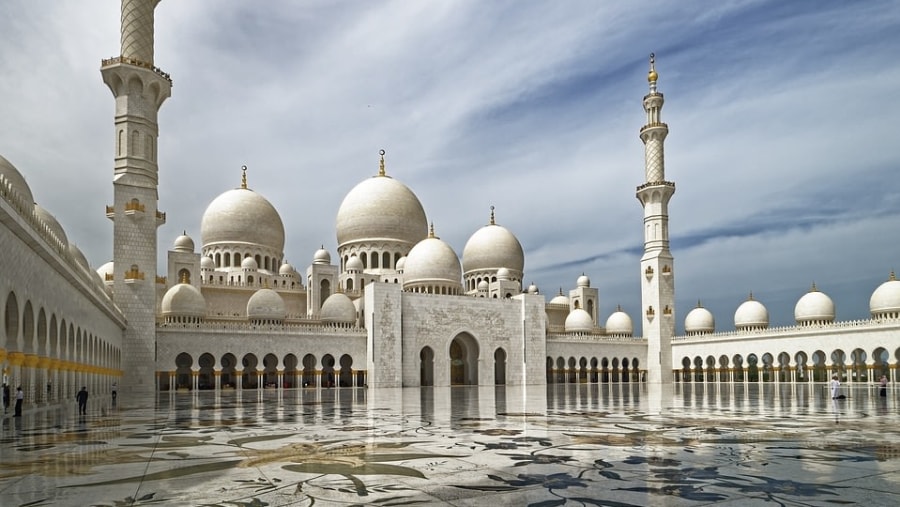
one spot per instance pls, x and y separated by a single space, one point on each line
835 387
5 397
882 391
114 391
20 398
82 398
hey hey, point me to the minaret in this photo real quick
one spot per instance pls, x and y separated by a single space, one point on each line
139 89
657 268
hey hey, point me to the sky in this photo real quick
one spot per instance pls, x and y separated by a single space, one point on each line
783 141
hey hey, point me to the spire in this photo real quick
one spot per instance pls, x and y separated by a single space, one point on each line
492 222
381 164
652 76
244 177
892 277
431 230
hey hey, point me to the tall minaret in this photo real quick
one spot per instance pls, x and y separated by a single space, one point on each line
140 89
657 267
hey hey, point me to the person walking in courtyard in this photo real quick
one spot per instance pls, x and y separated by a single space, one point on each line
835 387
20 398
82 398
5 397
882 386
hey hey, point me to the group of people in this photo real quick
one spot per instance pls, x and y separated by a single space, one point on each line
836 387
20 398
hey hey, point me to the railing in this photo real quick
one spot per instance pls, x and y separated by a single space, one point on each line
136 63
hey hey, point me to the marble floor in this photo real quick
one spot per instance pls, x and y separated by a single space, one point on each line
594 445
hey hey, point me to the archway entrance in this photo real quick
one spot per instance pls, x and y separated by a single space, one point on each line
464 361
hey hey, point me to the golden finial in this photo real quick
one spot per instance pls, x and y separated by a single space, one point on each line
243 176
699 305
185 277
492 217
892 277
618 308
814 289
751 296
652 76
381 164
431 231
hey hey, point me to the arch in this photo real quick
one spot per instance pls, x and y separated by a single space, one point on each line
249 378
738 361
228 377
289 379
698 369
500 366
767 374
838 363
802 366
858 370
784 367
820 372
309 371
426 366
183 363
685 369
463 353
880 362
270 370
11 322
324 291
206 379
184 275
345 378
710 368
386 260
328 370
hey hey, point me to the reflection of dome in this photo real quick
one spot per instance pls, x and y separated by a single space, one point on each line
183 243
242 216
579 321
381 208
354 264
885 301
431 265
619 324
51 222
493 247
12 176
322 256
183 300
266 304
338 309
699 321
583 281
751 315
814 308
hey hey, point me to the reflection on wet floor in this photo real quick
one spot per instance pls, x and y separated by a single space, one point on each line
578 444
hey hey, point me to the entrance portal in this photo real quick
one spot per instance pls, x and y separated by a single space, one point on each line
464 361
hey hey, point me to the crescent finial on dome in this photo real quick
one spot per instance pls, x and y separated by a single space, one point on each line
813 288
381 171
244 177
892 277
492 217
652 76
618 308
699 304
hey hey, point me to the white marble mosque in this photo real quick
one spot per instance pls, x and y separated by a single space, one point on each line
396 373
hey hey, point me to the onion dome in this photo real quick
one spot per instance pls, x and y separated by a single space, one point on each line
183 300
885 301
286 269
533 289
583 281
249 263
560 299
354 263
79 257
699 321
14 178
493 247
106 272
381 208
241 216
207 263
814 307
338 309
619 324
751 315
579 321
432 265
183 243
51 223
322 256
266 304
503 274
401 264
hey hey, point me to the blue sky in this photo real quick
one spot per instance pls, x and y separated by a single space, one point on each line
782 143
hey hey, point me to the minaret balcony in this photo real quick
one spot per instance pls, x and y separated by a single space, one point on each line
111 212
160 218
656 184
133 207
137 63
133 275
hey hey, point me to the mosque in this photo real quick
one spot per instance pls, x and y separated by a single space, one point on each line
394 307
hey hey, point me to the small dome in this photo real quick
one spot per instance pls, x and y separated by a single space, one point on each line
579 321
183 243
15 178
560 299
814 307
432 262
583 281
502 274
339 309
699 321
483 286
885 301
354 263
381 208
207 263
533 289
322 256
241 216
266 304
183 300
493 247
401 263
286 269
751 315
106 272
52 223
249 263
619 324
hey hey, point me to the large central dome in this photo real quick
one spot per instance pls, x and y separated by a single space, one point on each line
381 208
241 216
